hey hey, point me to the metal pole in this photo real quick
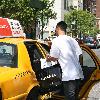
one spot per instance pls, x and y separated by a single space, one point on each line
42 26
35 24
80 36
34 36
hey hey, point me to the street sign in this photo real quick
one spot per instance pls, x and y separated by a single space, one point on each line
5 29
10 28
16 28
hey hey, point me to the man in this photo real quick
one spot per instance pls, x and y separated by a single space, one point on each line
66 50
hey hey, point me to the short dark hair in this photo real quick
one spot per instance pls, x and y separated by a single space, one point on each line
62 25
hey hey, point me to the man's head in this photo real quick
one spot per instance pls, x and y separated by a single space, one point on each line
61 28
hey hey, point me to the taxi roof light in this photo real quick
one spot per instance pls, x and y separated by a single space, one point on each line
10 28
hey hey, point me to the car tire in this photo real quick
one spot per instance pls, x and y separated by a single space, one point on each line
33 94
94 93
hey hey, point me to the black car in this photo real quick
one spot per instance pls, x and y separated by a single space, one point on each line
91 42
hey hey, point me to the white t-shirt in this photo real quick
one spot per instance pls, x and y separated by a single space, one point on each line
67 50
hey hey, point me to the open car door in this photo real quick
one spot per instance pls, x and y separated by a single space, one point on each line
91 74
91 79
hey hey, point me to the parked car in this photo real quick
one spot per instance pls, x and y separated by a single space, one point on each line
90 85
98 43
91 42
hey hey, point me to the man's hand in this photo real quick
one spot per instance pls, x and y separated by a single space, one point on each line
49 58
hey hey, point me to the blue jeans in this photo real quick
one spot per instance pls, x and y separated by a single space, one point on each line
71 89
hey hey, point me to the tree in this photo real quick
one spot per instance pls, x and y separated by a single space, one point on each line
22 11
81 22
44 11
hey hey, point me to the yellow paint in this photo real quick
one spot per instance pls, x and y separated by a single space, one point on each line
15 83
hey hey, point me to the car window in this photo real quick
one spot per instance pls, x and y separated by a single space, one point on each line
87 60
33 51
34 54
46 47
8 55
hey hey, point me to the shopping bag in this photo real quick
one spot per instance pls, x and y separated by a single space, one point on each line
45 64
50 78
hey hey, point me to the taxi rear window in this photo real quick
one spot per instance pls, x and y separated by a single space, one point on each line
8 55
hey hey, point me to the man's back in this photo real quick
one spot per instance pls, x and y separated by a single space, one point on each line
65 46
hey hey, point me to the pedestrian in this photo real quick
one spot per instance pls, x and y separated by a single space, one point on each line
67 51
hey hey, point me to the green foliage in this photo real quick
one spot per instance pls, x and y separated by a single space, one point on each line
22 11
47 12
84 22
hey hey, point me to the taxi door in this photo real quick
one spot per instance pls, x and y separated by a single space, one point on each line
90 70
35 53
91 79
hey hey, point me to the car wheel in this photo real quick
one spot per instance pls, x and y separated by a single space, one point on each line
35 95
94 93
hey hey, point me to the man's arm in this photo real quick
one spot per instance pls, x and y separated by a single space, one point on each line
49 58
54 52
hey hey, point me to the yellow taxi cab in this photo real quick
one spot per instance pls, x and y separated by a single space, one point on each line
90 85
19 61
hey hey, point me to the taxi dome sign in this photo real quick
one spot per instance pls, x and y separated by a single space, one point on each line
10 28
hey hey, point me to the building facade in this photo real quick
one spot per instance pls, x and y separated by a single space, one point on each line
60 8
93 6
90 5
98 13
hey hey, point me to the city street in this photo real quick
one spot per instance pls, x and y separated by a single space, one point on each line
97 52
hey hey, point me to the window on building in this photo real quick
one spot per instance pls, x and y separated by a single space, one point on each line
75 7
69 5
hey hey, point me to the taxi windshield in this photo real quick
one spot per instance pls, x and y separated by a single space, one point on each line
8 55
